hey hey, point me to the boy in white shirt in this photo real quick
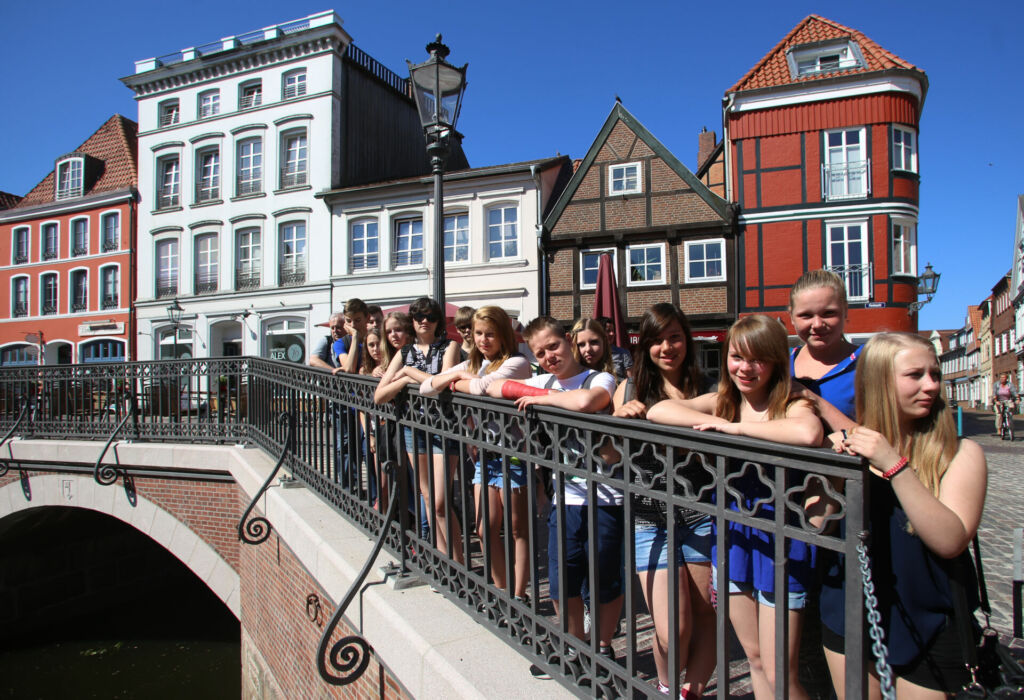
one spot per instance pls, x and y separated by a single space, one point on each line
572 386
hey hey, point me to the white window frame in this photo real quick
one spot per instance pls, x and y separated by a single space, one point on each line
20 284
841 176
361 259
293 84
172 270
286 326
806 61
43 278
904 149
904 229
208 104
661 247
208 171
853 280
249 166
295 260
250 94
411 234
294 169
21 237
598 252
617 174
168 170
456 224
72 276
105 272
168 113
45 227
115 239
249 253
70 177
497 232
206 262
704 242
79 225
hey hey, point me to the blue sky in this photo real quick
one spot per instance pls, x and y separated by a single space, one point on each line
544 75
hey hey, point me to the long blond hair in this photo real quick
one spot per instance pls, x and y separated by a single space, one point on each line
403 319
761 338
933 443
604 364
496 316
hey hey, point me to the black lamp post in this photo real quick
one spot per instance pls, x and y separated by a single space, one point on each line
927 285
437 87
174 316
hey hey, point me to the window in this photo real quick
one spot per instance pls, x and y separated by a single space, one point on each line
409 243
250 167
109 287
456 238
79 290
169 180
19 356
176 344
69 178
590 261
50 241
206 264
286 340
48 294
248 259
208 175
904 248
364 245
847 257
293 84
166 268
170 113
19 297
624 179
705 260
294 159
846 173
102 351
646 264
110 225
250 95
80 237
209 104
904 153
829 58
20 246
710 359
292 270
502 233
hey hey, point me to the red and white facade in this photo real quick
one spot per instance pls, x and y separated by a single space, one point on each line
66 257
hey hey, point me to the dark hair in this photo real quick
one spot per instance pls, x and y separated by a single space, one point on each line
356 306
540 323
464 316
429 307
374 309
650 384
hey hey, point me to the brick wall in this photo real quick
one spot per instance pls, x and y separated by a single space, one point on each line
684 207
638 301
560 271
703 300
561 307
578 218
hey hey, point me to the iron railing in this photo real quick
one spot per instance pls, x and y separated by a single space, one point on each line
857 279
168 197
293 178
247 279
206 282
850 180
343 444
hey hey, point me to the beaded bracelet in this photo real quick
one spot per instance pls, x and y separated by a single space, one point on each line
895 469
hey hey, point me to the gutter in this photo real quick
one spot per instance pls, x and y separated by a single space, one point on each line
542 268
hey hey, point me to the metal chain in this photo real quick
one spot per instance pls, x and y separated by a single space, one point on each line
878 647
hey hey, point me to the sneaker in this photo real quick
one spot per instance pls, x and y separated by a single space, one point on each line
524 599
586 619
539 673
607 651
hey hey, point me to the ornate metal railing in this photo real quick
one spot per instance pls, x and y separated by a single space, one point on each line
338 440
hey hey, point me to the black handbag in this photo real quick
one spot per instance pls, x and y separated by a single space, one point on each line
994 671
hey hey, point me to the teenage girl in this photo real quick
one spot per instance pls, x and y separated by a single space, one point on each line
927 491
755 401
590 345
372 352
494 356
665 367
431 353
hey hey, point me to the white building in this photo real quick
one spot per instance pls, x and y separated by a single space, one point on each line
1017 291
235 140
384 239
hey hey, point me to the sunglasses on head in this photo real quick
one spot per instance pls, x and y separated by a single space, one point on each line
463 329
424 317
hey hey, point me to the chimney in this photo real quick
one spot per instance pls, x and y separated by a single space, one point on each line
705 145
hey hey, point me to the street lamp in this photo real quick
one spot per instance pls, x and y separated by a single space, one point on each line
174 314
927 284
437 88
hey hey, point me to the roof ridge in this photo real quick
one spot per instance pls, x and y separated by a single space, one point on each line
771 52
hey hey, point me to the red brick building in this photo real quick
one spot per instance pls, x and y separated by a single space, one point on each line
820 147
1004 356
66 256
673 239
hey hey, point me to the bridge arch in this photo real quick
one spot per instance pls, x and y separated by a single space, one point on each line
80 491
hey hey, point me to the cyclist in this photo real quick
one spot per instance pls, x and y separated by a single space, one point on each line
1003 392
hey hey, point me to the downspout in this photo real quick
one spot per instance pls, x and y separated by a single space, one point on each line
133 344
542 268
727 103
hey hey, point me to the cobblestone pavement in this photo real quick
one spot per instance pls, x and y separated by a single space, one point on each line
1004 511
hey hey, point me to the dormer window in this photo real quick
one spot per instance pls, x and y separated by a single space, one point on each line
169 113
69 178
624 178
822 58
250 95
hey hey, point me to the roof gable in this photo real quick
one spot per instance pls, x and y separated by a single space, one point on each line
612 138
115 145
773 70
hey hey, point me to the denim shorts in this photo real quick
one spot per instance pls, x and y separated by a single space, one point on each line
495 478
420 437
797 599
577 551
693 544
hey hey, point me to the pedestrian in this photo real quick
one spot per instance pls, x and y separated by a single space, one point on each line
322 355
590 345
1003 393
622 359
375 317
349 349
464 325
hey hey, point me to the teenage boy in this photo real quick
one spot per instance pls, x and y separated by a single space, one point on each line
349 349
464 325
572 386
375 320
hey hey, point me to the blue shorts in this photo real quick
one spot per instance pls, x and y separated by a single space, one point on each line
421 442
797 599
693 544
577 551
516 473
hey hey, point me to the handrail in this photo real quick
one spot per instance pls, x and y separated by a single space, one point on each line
257 530
106 474
4 462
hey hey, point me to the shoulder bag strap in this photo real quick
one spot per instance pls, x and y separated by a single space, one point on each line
982 588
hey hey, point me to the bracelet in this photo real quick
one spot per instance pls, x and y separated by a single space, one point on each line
895 469
514 390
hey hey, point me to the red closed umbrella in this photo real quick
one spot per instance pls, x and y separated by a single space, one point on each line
606 299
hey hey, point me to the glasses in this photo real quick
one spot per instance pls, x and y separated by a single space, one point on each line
463 329
420 318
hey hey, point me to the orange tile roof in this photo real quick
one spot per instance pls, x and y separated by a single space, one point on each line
116 144
773 69
8 200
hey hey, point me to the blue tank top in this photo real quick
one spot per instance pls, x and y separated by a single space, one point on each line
836 385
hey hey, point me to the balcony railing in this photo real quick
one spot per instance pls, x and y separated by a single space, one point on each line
249 187
850 180
109 244
247 279
49 254
250 101
169 118
857 279
80 304
292 275
207 193
293 179
20 258
79 249
168 198
206 282
166 288
109 302
49 308
20 309
676 471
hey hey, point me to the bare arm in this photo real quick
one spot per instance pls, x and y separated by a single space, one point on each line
451 356
393 381
801 426
315 361
513 368
436 383
686 413
627 409
833 417
348 360
579 400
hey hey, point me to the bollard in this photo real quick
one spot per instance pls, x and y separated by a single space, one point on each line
960 420
1018 581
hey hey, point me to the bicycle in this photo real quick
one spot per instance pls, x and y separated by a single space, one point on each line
1006 420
